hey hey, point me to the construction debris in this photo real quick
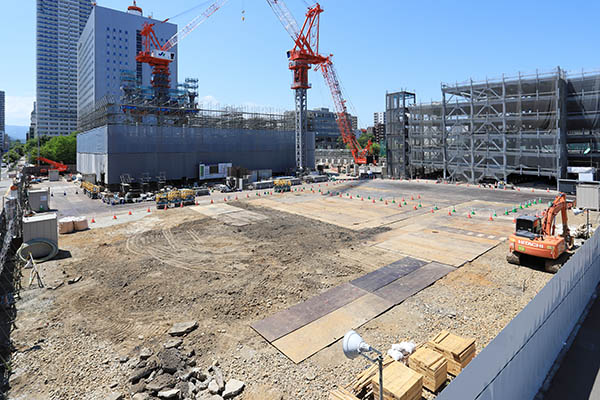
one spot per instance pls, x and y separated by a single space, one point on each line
458 351
432 365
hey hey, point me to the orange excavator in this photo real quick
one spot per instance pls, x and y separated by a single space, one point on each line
535 236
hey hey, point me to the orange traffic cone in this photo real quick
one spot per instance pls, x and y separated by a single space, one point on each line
211 201
148 210
386 202
181 205
469 215
412 197
236 197
531 190
400 205
514 220
350 197
225 199
415 207
491 219
432 210
373 201
196 202
129 212
114 216
362 199
93 221
247 196
547 190
418 196
165 207
449 213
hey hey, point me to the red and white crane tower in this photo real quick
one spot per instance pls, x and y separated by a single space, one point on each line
158 56
303 56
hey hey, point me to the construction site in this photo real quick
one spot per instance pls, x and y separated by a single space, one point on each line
203 253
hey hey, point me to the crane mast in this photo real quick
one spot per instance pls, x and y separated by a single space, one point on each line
159 57
302 57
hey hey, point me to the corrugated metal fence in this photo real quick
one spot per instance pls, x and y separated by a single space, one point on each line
515 364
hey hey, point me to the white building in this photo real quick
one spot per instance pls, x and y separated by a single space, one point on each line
58 26
108 45
378 118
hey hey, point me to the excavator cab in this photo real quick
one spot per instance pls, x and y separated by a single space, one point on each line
529 226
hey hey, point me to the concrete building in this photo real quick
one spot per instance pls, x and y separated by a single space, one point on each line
322 123
378 118
537 125
2 112
32 122
108 45
58 26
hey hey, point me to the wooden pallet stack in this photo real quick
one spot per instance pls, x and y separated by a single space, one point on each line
432 365
341 394
361 385
456 350
399 383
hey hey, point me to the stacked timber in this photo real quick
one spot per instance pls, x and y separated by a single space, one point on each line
341 394
361 385
456 350
432 365
399 383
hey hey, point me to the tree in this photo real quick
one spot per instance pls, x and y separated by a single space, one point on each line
61 148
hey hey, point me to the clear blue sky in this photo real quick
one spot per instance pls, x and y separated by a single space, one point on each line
377 46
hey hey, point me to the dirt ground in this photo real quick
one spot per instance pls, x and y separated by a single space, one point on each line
141 277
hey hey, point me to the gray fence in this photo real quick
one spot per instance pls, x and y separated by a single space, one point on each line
515 364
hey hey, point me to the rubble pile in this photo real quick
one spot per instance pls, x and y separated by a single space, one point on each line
171 373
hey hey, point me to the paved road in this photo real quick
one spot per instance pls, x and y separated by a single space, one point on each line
578 376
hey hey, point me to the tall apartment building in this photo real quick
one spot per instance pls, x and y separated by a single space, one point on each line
108 45
58 26
2 114
378 118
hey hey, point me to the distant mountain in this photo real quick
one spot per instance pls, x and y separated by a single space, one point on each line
17 132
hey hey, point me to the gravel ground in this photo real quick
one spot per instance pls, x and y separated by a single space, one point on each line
135 284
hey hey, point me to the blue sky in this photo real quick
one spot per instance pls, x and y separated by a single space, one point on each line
377 46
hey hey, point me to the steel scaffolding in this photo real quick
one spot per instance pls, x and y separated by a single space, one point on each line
527 125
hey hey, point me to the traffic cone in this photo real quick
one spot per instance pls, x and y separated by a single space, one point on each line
181 205
211 201
129 212
166 207
453 209
196 202
514 220
547 190
93 221
412 197
518 189
373 201
225 199
418 196
350 197
469 216
400 205
432 210
386 203
148 210
449 213
415 207
491 219
114 216
362 199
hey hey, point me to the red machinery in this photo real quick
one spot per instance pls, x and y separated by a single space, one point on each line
305 54
158 56
57 165
536 236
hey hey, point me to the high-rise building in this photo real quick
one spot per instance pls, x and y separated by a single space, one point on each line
32 122
107 46
378 118
58 26
2 114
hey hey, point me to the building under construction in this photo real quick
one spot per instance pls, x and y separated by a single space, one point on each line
539 125
151 138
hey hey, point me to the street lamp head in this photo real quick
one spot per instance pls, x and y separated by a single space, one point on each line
353 345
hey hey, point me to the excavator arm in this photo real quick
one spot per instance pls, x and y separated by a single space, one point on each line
559 205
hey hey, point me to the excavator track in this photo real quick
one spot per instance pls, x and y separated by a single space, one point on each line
513 258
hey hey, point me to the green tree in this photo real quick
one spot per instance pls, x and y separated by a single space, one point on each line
61 148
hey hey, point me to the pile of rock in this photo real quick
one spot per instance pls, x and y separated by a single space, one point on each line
171 373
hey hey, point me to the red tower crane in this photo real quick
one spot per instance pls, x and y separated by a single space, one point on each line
158 56
303 56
